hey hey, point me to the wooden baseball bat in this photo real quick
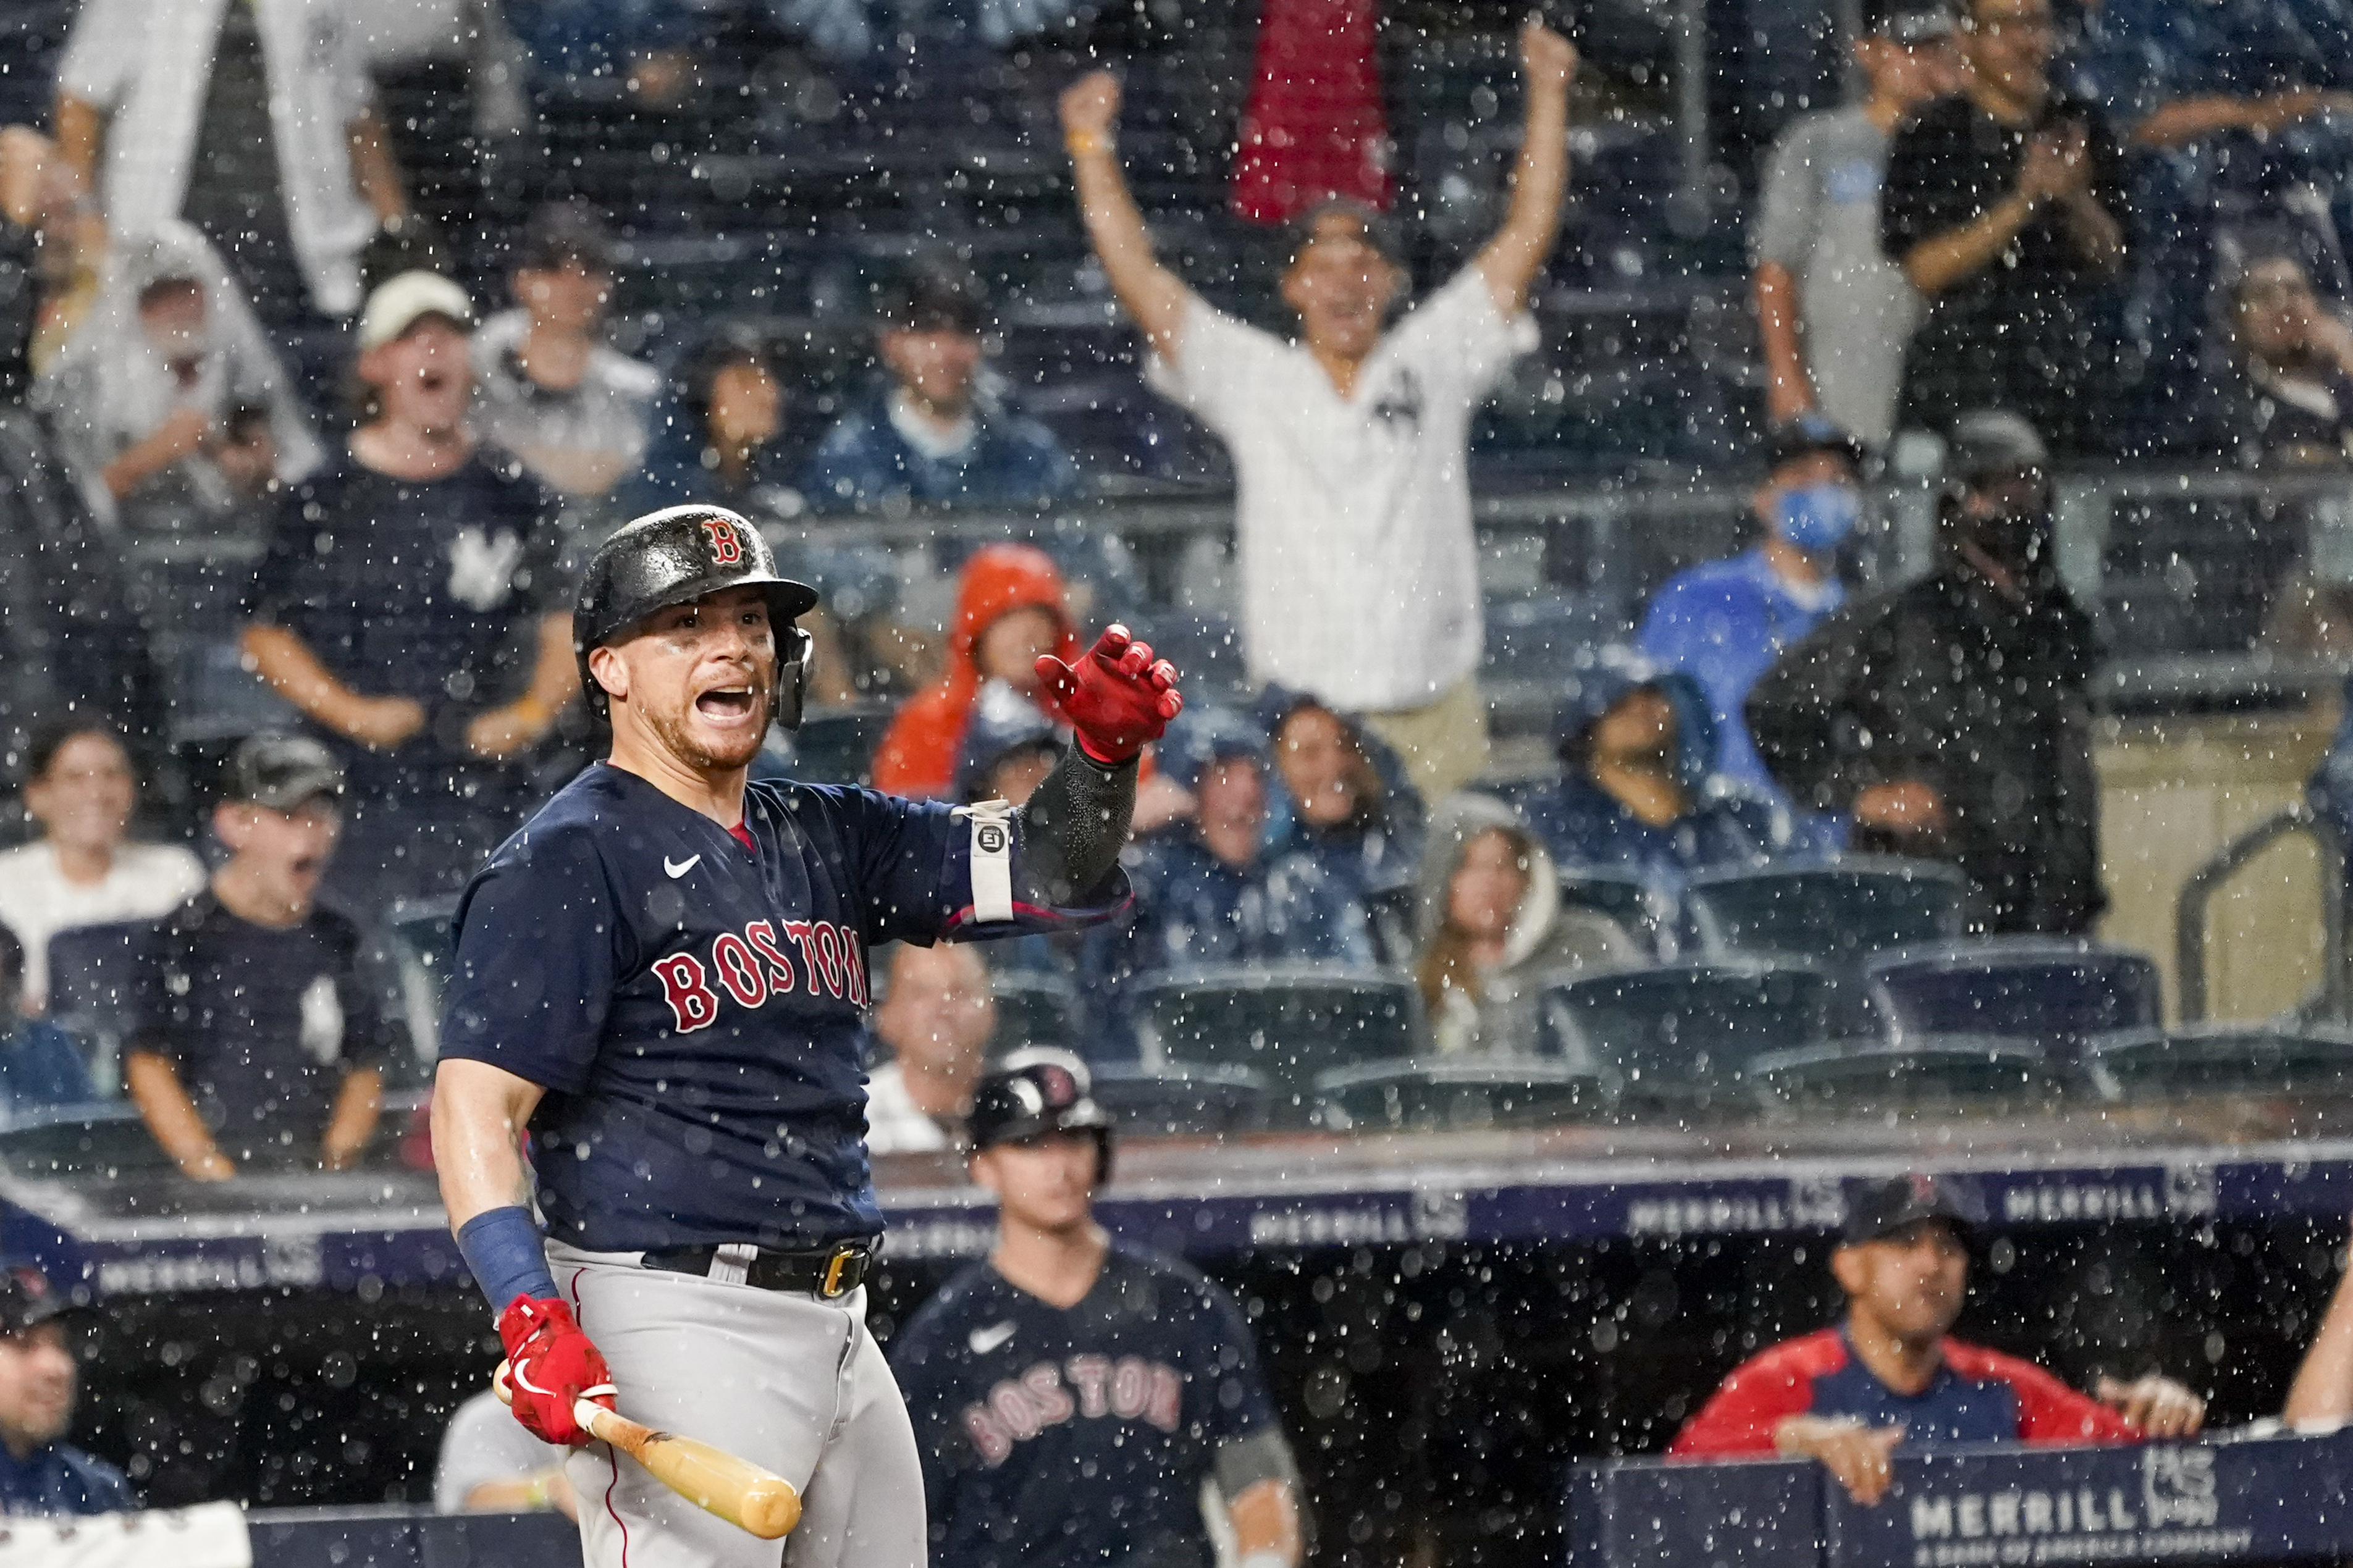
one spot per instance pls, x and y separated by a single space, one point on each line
710 1479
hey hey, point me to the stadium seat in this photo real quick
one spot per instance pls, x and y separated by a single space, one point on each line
1032 1009
99 977
1183 1101
1682 1035
422 945
1440 1093
2222 1058
1287 1024
831 746
1836 912
1935 1072
1645 911
101 1141
2052 990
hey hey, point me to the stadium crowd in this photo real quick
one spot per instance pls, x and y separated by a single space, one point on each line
294 489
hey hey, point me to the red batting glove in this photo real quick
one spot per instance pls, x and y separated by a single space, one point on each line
551 1365
1118 698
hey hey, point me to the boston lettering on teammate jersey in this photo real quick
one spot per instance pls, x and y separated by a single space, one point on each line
1054 1438
1977 1397
695 1008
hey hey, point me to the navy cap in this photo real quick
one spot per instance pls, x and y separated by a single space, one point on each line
1877 1209
1807 434
26 1297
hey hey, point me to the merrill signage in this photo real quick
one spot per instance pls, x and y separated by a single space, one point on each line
2173 1515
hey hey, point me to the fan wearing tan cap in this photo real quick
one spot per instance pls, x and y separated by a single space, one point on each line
409 608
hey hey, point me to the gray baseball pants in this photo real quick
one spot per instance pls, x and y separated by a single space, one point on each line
786 1380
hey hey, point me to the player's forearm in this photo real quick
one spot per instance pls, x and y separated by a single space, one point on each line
1787 383
373 177
352 1121
289 668
1265 1518
1153 296
78 126
478 1116
1073 828
2323 1389
1512 258
170 1116
1935 265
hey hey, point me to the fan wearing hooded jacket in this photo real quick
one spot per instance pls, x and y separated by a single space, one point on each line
1639 791
1494 930
1010 608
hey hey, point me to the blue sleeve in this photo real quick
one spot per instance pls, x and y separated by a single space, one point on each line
279 584
1667 625
1237 1404
845 474
915 874
540 943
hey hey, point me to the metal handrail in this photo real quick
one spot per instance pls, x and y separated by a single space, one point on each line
2198 891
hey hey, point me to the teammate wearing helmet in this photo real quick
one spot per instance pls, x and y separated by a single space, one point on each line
660 984
1072 1393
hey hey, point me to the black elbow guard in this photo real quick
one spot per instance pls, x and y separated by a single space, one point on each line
1072 829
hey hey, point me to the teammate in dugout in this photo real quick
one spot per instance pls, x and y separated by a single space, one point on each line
660 980
1889 1374
1072 1392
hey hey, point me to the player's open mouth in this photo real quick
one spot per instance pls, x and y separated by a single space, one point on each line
726 703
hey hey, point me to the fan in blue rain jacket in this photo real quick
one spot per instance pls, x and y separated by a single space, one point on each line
1638 791
936 430
1210 892
1346 800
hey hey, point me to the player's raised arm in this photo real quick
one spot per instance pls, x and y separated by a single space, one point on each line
1511 258
1153 296
1118 698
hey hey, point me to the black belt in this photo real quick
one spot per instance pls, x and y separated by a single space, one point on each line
831 1271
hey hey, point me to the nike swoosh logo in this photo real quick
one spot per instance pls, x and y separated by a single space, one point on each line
679 867
984 1340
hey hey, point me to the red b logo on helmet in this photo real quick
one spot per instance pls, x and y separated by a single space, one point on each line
726 546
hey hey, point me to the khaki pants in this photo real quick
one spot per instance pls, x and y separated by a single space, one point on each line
1444 745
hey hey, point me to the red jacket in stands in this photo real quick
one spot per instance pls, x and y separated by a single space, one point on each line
1977 1397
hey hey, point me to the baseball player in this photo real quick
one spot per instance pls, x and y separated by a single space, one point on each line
1071 1394
661 983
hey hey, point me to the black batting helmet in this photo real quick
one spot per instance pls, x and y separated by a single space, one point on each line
1036 1090
676 556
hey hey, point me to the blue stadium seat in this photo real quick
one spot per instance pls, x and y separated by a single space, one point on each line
1683 1033
1286 1024
99 987
1645 911
1837 912
2047 989
1183 1101
1032 1009
2277 1058
1443 1093
1934 1072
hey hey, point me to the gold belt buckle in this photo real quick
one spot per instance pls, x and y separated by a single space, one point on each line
835 1267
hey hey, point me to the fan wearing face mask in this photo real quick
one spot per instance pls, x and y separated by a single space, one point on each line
1723 623
1951 716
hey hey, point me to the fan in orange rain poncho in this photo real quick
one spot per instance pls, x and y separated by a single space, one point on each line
1009 609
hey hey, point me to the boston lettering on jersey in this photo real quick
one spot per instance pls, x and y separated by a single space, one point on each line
694 1007
1084 1387
751 966
1056 1437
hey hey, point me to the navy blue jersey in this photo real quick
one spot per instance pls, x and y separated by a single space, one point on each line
58 1479
1052 1436
694 1009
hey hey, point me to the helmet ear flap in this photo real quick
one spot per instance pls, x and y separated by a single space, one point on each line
794 649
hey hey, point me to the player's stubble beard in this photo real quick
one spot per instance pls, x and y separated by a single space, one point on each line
676 733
